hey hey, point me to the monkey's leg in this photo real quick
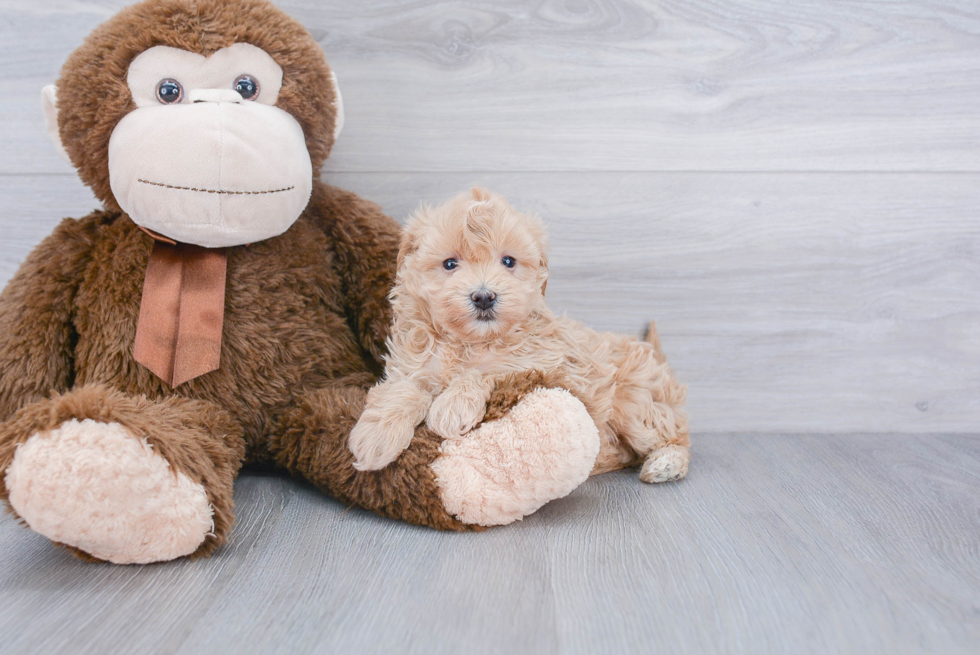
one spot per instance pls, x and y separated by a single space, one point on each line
536 444
121 478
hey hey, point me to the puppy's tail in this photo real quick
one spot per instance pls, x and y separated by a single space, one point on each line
653 339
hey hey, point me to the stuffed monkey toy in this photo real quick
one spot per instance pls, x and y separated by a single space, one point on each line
225 307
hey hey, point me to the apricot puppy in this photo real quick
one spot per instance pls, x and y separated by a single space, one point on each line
469 306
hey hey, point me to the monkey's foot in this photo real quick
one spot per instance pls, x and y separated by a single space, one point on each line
506 469
97 488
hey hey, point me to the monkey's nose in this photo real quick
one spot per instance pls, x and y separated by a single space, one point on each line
483 299
214 95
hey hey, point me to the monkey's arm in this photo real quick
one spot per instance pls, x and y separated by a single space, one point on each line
365 243
503 470
36 333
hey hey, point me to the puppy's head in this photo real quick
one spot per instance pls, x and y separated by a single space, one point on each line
473 267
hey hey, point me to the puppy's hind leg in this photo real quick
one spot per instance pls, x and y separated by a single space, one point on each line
666 464
648 415
658 434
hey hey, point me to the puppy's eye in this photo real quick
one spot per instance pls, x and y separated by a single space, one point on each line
450 264
169 91
509 262
247 86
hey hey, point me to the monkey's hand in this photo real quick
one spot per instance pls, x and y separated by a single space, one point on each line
459 408
387 425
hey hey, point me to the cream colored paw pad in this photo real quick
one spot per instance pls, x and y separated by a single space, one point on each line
665 464
504 470
98 488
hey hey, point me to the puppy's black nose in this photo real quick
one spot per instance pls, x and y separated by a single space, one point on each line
483 299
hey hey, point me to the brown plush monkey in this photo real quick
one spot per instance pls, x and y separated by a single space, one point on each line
225 306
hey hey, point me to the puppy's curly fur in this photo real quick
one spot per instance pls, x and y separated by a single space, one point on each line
469 308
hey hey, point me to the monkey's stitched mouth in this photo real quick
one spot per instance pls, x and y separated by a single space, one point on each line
220 191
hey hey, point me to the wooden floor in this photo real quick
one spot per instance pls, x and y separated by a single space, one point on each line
774 544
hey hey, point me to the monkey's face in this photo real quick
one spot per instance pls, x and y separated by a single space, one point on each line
206 157
204 121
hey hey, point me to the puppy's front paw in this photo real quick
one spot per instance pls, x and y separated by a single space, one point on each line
452 415
666 464
378 441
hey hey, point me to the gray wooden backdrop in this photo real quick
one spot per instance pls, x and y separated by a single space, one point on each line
790 188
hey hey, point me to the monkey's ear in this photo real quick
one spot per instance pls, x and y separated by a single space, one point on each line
338 105
49 101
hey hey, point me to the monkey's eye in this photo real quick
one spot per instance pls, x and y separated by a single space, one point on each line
450 264
247 86
509 262
169 91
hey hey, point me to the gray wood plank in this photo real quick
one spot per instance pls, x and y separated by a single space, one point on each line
598 84
787 302
774 544
31 206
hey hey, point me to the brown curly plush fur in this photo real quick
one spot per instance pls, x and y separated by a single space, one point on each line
98 68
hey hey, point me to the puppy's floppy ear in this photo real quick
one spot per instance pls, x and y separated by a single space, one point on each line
408 245
411 238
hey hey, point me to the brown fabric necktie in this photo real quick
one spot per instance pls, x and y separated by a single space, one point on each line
178 335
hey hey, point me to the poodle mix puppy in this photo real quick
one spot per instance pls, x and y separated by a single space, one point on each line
469 308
